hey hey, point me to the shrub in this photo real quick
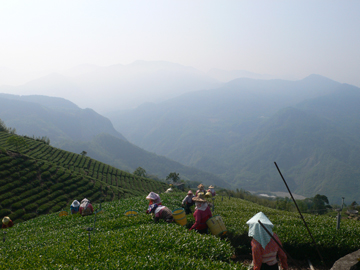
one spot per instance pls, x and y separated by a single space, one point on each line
46 175
17 214
56 187
31 207
29 216
4 212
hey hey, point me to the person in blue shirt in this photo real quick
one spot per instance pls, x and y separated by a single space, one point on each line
74 207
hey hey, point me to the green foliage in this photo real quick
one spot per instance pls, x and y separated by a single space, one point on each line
140 172
17 142
173 176
118 242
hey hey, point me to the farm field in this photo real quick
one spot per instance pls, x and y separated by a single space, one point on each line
43 179
120 242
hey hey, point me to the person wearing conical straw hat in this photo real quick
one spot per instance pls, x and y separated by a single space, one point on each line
202 214
201 189
264 248
74 207
188 202
6 223
212 190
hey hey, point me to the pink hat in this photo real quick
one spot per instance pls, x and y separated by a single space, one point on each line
189 192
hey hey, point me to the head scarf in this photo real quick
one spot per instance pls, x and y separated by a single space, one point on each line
154 197
84 203
257 231
75 203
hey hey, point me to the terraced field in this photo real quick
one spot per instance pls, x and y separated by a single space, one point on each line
43 179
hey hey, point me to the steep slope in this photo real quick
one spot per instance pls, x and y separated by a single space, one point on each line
315 156
55 118
45 179
126 156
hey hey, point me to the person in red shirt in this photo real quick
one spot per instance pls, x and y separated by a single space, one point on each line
202 214
264 248
7 223
86 207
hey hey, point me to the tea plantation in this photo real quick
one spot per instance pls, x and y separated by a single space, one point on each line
43 179
121 242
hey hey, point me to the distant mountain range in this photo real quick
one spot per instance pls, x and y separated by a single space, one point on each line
56 118
71 128
309 127
120 86
117 87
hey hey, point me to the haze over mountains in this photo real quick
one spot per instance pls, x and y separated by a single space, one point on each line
230 132
238 130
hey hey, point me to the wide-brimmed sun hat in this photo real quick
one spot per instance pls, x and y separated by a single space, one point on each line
6 220
199 198
189 192
208 194
211 186
201 186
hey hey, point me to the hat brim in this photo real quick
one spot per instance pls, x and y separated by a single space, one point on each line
198 200
211 187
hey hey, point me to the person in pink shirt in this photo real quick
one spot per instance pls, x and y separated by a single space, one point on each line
202 214
264 248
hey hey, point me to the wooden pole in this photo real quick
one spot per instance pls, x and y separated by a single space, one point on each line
280 246
322 260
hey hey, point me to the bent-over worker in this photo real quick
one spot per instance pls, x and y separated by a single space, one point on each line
264 248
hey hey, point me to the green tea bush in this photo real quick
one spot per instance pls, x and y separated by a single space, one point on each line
31 207
17 214
29 216
4 212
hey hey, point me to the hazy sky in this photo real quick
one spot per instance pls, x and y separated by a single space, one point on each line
294 38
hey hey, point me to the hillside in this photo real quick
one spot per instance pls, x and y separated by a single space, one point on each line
239 130
56 118
121 242
126 156
44 179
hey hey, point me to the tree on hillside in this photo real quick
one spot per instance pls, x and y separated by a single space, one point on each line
3 126
173 176
17 142
320 204
140 172
83 153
